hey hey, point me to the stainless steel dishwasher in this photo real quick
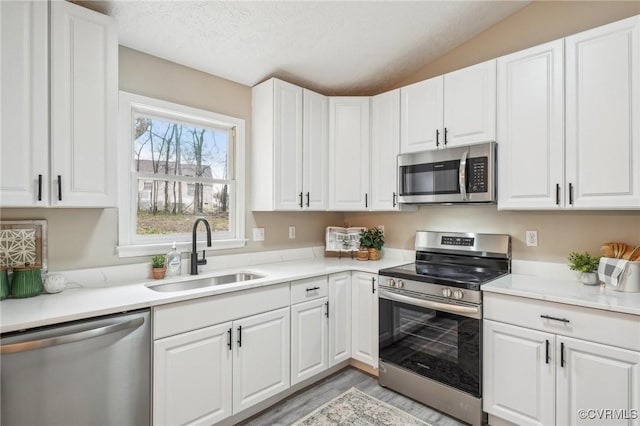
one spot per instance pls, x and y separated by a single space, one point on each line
83 373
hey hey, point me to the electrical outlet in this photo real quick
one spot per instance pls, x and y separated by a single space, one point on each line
292 232
258 234
531 237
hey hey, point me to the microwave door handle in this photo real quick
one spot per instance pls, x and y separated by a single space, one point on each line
462 175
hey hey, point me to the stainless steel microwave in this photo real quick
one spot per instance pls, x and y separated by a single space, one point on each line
464 174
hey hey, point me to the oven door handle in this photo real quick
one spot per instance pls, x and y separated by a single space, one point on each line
466 311
462 175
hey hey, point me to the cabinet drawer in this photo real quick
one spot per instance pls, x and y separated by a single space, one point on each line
309 289
596 325
179 317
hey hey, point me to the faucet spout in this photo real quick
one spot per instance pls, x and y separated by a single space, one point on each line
194 253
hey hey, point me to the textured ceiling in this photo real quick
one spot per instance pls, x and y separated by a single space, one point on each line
334 47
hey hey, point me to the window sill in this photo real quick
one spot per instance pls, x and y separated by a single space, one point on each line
182 247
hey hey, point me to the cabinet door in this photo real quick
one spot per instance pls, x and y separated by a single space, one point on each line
603 143
84 91
596 377
24 133
421 112
470 105
518 374
192 377
315 150
287 156
385 147
348 153
339 318
309 339
364 327
261 358
531 128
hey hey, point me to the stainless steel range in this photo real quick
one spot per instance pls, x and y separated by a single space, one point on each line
431 320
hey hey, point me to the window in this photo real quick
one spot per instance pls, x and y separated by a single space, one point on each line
178 163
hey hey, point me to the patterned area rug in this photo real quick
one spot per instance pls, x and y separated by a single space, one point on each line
355 408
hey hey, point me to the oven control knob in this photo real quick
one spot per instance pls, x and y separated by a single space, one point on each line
400 284
446 292
458 294
391 282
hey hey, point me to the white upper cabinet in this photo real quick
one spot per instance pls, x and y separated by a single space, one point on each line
315 150
385 147
531 128
602 113
24 132
290 147
69 162
422 115
458 108
84 95
349 153
470 105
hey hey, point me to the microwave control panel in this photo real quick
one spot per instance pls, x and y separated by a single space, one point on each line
477 174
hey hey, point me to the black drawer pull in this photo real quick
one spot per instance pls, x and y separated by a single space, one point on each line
570 193
437 138
555 319
300 203
373 285
327 305
394 200
39 187
547 357
557 194
308 198
313 289
229 339
240 336
561 354
59 188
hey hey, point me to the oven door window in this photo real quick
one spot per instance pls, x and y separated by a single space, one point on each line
431 178
439 345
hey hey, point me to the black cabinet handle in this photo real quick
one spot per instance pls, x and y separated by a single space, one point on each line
561 354
327 311
547 357
366 199
229 339
373 285
555 319
300 203
570 193
39 187
437 138
59 188
308 196
313 289
557 194
394 200
240 336
445 135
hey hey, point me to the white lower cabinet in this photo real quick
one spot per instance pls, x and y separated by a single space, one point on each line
192 377
339 318
309 339
541 370
364 326
260 358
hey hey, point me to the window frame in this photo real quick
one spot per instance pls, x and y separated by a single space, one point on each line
129 243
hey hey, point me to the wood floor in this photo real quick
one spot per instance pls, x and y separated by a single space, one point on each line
299 405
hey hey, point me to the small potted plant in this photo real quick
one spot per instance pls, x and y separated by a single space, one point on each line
587 265
158 266
372 239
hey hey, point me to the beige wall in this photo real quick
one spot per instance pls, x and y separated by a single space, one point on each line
539 22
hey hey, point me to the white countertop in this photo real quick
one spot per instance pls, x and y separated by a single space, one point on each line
568 291
130 294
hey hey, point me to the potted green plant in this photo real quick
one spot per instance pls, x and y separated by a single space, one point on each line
372 239
158 266
587 265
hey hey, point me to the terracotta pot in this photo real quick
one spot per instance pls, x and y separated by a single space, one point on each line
374 254
362 254
158 273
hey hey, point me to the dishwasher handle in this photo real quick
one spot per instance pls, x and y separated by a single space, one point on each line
70 338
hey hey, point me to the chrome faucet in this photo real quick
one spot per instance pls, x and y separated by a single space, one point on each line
194 253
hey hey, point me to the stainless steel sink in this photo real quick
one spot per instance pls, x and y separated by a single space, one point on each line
206 282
